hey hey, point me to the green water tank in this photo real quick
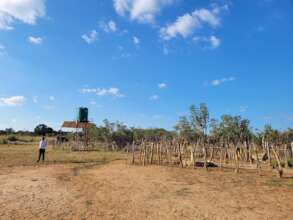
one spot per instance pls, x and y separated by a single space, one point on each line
82 114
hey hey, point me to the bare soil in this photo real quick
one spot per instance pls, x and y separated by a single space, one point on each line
120 191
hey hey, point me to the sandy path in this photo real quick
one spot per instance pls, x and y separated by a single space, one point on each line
120 191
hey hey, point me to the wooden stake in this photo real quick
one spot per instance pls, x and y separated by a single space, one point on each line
280 169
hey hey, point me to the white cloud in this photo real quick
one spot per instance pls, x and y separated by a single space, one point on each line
49 107
243 108
187 24
91 37
217 82
26 11
104 92
121 56
136 40
2 49
165 50
184 26
51 98
162 85
143 11
157 116
35 40
213 41
154 97
35 99
110 26
12 101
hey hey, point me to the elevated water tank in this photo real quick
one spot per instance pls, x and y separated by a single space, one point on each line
82 114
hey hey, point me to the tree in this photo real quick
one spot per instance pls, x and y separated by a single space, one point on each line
43 129
9 131
199 118
184 128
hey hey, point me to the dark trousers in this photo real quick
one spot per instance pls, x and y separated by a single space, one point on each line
41 154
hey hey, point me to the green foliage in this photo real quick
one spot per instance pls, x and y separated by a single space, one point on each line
198 124
43 129
271 135
4 141
229 128
121 135
199 118
12 138
290 163
184 128
274 163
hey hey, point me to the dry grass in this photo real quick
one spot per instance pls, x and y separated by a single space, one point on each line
23 138
70 185
27 154
121 191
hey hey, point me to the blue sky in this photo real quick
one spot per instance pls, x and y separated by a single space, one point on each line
144 62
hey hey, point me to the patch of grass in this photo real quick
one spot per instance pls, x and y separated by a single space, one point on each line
290 185
12 138
183 192
273 182
88 203
290 163
4 141
26 155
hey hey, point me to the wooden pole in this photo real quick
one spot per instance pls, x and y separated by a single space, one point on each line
152 153
133 154
280 169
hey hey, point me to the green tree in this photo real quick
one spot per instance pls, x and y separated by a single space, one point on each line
43 129
184 128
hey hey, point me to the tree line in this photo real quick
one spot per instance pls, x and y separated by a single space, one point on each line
196 127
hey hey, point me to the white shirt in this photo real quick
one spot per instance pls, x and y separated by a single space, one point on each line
43 144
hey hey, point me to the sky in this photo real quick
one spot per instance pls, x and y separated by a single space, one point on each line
144 62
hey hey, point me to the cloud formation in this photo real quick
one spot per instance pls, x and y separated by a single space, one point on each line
12 101
217 82
35 40
136 41
243 108
143 11
104 92
25 11
187 24
212 40
2 49
35 99
162 85
154 97
109 27
91 37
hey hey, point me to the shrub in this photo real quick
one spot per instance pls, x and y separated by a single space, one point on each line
275 163
12 138
290 163
4 141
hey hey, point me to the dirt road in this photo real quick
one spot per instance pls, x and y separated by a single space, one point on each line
121 191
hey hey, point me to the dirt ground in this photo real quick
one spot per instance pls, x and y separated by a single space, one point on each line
121 191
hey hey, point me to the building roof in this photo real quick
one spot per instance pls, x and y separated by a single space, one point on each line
76 124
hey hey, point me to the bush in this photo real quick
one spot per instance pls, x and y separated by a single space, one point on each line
4 141
275 163
290 163
12 138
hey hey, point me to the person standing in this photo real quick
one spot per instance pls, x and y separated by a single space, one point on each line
42 148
